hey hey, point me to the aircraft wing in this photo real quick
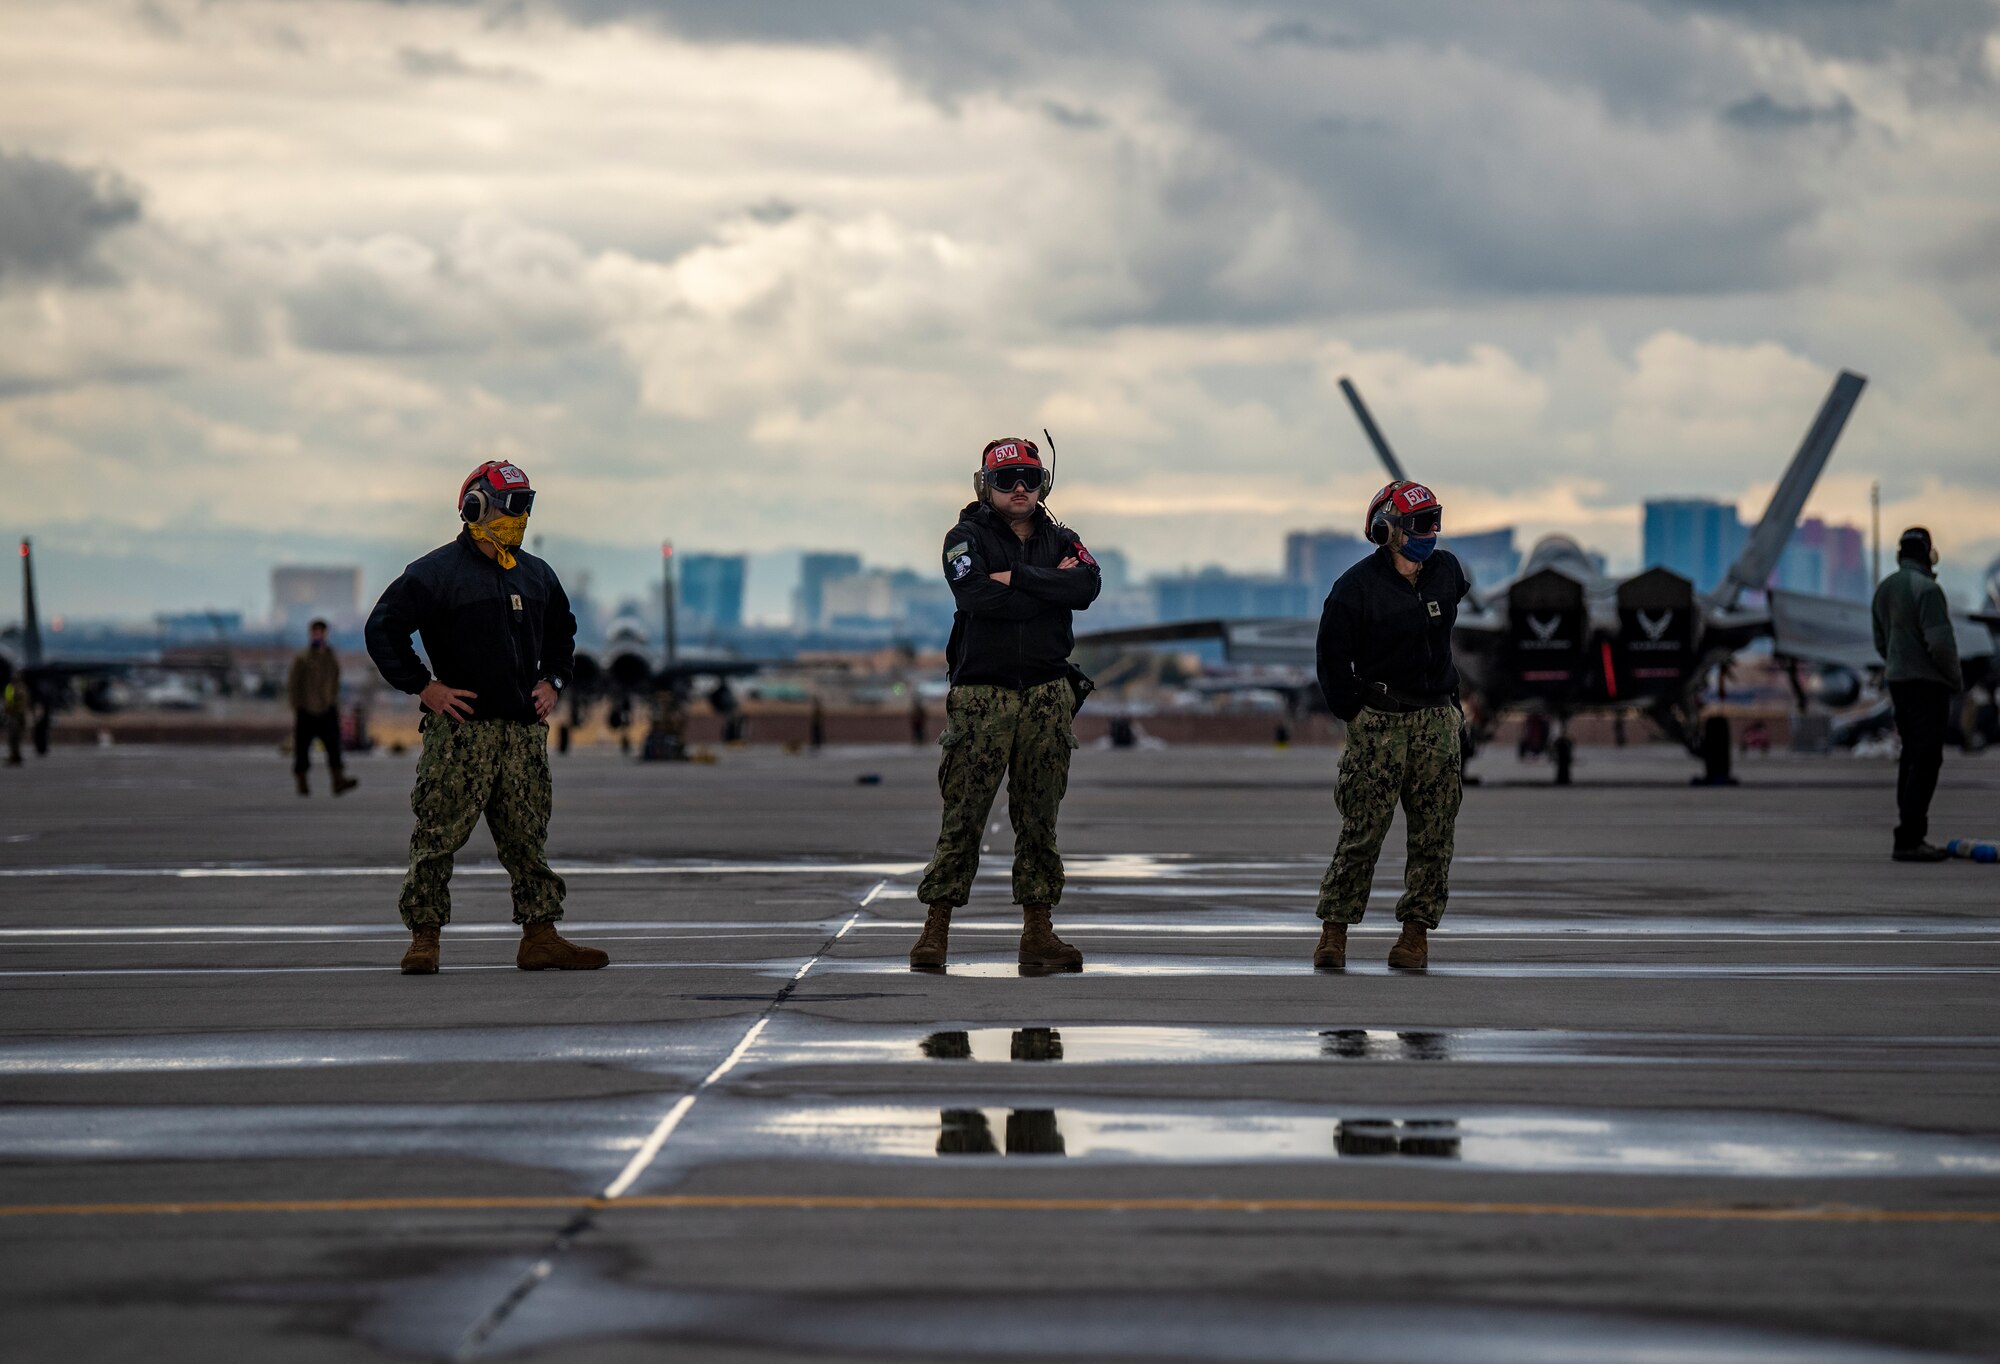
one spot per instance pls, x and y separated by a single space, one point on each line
1759 558
1832 630
1283 639
1816 629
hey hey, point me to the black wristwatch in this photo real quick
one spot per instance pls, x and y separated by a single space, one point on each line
555 682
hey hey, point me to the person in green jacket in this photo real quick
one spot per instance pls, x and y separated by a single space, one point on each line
1913 635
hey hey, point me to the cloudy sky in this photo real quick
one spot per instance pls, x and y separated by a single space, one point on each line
765 274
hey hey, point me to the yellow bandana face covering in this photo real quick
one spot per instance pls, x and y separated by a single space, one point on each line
504 533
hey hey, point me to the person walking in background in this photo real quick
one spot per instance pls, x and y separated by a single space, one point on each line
313 691
14 712
1914 637
499 633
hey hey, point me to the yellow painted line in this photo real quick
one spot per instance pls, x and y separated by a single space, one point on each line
288 1205
868 1203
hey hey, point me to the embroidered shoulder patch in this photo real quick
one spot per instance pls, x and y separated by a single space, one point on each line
962 547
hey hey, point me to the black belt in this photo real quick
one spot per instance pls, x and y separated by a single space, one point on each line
1381 696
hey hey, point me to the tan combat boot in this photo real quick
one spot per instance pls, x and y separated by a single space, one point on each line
1412 951
422 958
543 949
1331 953
1040 947
342 783
928 954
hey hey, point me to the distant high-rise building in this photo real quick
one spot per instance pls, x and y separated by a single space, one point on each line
199 627
711 592
1113 568
1488 557
300 593
881 603
1314 558
816 569
1228 596
1694 537
1828 561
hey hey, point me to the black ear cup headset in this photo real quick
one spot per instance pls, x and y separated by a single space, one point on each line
1379 527
1916 544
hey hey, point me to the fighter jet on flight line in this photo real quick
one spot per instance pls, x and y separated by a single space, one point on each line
1562 638
53 685
629 669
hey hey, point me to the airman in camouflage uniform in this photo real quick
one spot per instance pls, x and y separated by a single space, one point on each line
495 768
1385 666
1412 758
1025 736
501 643
1016 574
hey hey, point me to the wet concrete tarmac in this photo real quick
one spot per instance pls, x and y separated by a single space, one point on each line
1694 1075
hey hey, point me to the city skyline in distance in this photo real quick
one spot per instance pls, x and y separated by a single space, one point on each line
689 268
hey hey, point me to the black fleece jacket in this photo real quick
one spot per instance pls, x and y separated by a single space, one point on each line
486 629
1014 634
1377 626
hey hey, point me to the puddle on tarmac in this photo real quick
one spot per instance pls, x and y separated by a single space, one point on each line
582 1301
689 1049
590 1139
1730 1144
686 1049
1178 964
1089 1044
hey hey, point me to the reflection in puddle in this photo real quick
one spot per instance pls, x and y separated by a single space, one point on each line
969 1132
1360 1044
1436 1138
1023 1044
1765 1145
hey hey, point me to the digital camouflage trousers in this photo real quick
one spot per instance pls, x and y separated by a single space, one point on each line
1412 758
990 732
496 768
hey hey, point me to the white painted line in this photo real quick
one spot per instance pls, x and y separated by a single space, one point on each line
499 929
57 972
649 1150
566 869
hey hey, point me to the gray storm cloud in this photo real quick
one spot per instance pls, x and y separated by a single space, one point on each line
52 216
680 256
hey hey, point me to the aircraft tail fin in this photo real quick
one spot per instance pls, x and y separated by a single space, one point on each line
31 625
1373 432
1754 566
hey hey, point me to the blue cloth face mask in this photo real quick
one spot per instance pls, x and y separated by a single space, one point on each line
1417 548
